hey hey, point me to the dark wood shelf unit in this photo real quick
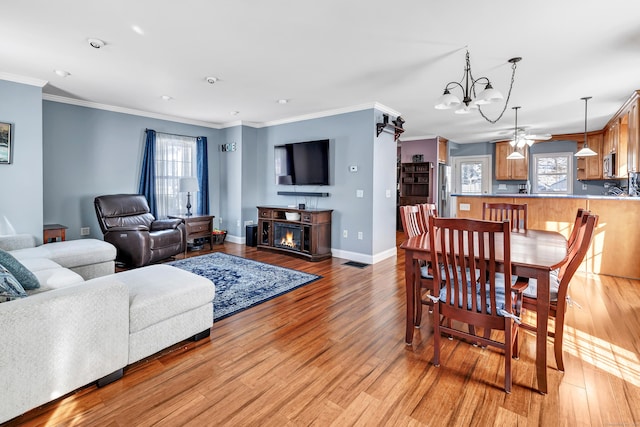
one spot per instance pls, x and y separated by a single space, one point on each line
415 183
315 229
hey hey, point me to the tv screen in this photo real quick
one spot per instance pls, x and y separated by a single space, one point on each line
302 163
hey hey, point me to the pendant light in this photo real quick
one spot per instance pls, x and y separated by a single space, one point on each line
585 151
516 154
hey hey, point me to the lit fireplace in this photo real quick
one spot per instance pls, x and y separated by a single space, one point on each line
287 236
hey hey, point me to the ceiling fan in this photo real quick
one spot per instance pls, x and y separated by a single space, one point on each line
522 137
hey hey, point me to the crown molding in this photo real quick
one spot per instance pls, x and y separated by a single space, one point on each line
22 79
115 109
328 113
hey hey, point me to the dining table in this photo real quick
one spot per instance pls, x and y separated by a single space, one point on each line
534 254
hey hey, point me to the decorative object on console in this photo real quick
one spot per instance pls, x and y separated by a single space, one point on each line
5 143
189 185
585 151
243 283
487 96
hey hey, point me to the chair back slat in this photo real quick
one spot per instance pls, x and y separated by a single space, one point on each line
576 226
413 223
515 213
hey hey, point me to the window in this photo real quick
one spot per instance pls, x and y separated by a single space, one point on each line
552 173
176 157
472 174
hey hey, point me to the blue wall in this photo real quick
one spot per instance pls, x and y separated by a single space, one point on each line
89 152
21 190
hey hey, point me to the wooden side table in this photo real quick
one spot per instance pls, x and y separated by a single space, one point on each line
53 233
197 226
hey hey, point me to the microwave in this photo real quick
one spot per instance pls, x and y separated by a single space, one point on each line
609 165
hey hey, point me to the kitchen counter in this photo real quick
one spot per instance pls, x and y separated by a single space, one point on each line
615 242
549 196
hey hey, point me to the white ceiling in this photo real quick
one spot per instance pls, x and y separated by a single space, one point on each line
331 55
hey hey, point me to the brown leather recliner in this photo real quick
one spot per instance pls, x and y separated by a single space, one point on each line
139 238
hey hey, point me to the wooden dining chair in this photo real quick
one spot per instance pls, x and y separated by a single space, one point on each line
559 282
515 213
414 224
576 226
427 210
470 253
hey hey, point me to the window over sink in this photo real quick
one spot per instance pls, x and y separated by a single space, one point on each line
552 173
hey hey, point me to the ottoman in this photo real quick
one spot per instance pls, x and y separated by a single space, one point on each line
166 305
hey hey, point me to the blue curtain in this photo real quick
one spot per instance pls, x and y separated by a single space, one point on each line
148 174
203 175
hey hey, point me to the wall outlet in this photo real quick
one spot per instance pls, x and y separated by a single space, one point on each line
85 231
345 234
465 207
360 235
238 223
359 194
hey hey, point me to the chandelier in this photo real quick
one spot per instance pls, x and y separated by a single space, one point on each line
585 151
470 100
516 154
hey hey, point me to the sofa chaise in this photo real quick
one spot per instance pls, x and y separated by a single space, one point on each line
81 326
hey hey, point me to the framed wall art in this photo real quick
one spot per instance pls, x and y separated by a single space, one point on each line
5 143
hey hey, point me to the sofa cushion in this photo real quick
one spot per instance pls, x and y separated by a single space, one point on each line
71 253
26 278
10 288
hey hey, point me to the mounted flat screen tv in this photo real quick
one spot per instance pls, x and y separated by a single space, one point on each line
302 163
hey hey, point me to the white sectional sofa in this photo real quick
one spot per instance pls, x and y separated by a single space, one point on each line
82 326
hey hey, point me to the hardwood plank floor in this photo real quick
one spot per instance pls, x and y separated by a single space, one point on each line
333 353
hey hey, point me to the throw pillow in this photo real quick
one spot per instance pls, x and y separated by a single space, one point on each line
10 288
26 278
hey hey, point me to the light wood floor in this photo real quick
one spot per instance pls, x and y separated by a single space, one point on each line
333 353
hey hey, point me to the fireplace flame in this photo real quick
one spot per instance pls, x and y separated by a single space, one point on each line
287 240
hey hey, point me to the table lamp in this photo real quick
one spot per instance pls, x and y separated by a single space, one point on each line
189 185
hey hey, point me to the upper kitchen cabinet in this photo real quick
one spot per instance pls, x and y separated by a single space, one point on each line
511 169
633 140
442 150
591 167
621 136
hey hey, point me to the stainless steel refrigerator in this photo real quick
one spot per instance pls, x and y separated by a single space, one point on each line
444 191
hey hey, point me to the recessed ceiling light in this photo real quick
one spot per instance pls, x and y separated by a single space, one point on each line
166 97
283 101
62 73
96 43
234 113
211 80
137 30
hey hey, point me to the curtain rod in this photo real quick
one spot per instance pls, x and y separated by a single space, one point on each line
174 134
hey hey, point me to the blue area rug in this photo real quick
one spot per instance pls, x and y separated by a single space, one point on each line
242 283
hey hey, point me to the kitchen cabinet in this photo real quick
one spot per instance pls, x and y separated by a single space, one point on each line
633 141
621 136
591 167
442 150
511 169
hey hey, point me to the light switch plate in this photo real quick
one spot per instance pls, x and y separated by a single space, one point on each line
359 194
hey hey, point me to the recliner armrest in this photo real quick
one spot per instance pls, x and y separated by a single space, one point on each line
138 227
165 224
